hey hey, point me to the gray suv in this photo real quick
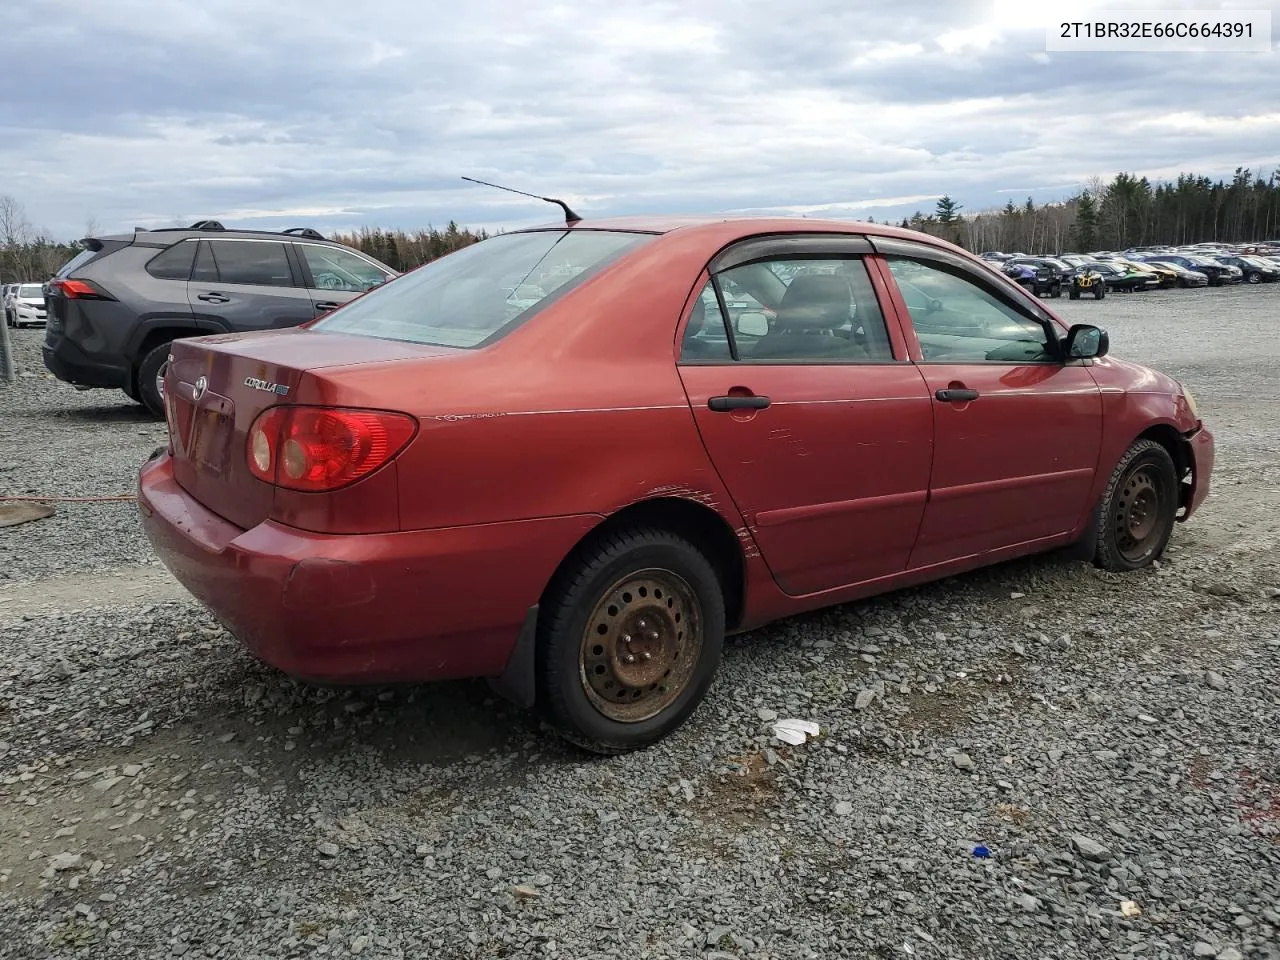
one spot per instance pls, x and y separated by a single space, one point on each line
114 308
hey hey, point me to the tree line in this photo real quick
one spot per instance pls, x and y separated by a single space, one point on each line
1127 211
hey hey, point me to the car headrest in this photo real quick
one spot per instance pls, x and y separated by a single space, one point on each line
815 302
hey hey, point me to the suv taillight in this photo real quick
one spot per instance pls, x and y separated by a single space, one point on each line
317 449
79 290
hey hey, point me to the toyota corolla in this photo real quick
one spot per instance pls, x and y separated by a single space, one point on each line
680 429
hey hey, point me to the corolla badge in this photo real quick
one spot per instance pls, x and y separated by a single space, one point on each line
277 388
200 387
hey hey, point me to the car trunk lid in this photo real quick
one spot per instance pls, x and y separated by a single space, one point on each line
215 387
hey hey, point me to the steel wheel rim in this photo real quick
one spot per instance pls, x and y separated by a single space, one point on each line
641 645
1138 512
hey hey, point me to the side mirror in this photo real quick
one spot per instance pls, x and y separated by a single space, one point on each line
1086 342
751 323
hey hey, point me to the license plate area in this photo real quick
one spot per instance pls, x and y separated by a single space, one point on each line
212 429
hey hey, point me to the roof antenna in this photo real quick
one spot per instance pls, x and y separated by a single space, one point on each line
569 215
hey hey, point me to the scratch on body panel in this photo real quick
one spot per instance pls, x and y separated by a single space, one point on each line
783 434
749 549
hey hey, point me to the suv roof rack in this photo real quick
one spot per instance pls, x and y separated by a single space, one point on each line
215 226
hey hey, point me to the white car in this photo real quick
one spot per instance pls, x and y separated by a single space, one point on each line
28 305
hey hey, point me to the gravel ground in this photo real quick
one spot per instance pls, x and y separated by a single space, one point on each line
1109 742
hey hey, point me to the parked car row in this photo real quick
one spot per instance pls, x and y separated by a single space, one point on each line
1147 268
24 304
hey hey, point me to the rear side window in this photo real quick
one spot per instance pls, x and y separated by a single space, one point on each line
257 262
174 263
482 291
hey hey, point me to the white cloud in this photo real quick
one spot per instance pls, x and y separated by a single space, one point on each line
344 115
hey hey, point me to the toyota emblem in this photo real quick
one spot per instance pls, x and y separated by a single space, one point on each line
201 386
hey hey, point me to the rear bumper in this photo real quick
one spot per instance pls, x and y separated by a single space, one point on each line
376 608
69 363
1200 449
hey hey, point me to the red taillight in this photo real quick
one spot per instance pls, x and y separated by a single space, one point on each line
315 449
79 290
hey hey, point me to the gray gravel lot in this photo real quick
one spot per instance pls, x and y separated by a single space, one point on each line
1111 741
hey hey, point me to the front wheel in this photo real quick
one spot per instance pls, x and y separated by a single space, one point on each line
1099 290
629 640
1138 510
1255 278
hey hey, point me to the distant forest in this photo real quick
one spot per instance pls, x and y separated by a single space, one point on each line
1129 211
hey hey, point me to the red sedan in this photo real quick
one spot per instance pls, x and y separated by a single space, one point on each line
570 459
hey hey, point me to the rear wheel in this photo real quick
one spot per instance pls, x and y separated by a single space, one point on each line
150 392
1254 278
1138 510
629 640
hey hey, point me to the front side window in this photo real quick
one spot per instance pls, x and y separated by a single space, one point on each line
334 269
958 321
257 262
478 293
803 310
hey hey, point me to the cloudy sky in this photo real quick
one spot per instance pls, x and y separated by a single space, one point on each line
336 113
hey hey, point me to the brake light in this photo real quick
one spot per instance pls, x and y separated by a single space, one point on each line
317 449
79 290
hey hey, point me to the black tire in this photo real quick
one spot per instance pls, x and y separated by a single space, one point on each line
1138 509
148 391
1055 291
580 679
1254 278
1099 290
131 391
1073 293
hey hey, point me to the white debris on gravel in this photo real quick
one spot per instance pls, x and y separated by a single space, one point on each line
167 796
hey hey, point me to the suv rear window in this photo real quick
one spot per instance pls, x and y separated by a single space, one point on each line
81 258
476 294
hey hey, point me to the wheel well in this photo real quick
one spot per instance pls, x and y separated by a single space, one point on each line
704 528
1172 441
155 338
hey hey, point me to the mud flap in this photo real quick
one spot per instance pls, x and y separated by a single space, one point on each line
1087 546
517 682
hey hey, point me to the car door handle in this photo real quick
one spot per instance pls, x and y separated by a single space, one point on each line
213 297
325 305
722 404
956 395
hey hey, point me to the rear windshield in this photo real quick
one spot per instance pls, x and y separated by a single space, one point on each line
478 293
31 290
79 259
